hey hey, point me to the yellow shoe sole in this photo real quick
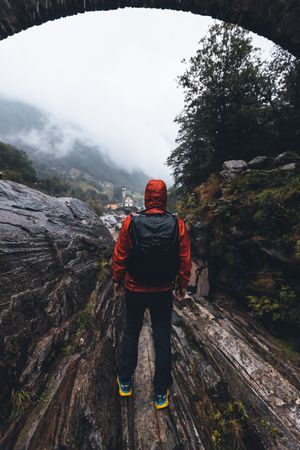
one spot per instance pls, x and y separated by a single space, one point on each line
121 393
164 405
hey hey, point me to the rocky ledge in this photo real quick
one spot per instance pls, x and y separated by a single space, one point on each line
49 259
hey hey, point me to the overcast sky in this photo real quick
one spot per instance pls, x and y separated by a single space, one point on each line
112 73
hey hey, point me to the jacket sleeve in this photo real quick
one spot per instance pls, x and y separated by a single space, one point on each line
184 255
121 251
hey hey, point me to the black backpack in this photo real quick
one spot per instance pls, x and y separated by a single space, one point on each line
154 256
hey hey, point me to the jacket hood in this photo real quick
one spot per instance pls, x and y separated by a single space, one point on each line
156 194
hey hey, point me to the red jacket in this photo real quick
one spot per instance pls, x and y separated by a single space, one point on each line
155 202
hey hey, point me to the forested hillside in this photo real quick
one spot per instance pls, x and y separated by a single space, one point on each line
56 148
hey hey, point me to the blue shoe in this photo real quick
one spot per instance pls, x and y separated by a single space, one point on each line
125 387
161 400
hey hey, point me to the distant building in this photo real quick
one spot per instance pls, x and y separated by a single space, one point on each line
123 195
74 173
128 201
87 177
112 206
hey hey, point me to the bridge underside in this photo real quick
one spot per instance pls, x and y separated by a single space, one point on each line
278 20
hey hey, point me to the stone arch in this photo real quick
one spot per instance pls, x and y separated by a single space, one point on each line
278 20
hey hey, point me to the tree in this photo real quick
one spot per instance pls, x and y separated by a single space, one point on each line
223 101
283 97
16 165
54 185
117 194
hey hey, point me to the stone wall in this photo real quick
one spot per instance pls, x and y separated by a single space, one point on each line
278 20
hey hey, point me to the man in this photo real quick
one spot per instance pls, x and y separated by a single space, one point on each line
151 255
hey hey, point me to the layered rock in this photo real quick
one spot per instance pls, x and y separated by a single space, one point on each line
50 250
60 341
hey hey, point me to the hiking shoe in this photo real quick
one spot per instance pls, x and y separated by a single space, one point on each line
125 388
161 400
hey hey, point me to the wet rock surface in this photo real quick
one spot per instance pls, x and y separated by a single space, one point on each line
58 370
49 254
216 361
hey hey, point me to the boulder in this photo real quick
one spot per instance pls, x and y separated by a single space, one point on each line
260 162
289 167
235 165
285 158
227 174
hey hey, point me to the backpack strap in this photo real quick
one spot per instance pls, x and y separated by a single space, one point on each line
132 230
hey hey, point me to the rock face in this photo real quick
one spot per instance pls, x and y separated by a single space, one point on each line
60 338
49 255
278 20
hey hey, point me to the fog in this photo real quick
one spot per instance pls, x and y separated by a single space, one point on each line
112 74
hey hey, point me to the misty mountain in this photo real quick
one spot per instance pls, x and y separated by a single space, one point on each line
62 148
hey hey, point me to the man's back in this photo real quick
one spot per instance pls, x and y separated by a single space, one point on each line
152 252
155 203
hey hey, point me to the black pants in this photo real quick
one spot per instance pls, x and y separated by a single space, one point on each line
160 305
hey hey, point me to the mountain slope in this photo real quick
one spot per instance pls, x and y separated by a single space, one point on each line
57 147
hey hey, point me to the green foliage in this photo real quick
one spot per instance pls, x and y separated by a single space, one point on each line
68 348
297 250
55 186
286 308
227 424
59 187
264 305
44 397
187 205
95 205
105 271
282 117
172 200
85 320
254 243
15 165
20 399
117 194
223 89
271 430
266 200
235 105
